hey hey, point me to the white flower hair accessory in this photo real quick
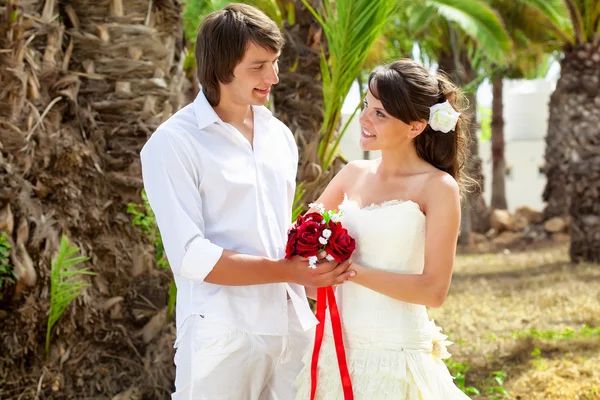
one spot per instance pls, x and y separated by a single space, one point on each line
443 117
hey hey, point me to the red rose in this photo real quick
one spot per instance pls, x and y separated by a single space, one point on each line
340 244
310 217
309 233
299 221
290 248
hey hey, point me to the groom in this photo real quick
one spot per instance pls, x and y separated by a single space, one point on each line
220 177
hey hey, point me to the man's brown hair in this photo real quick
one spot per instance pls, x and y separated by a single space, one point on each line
222 40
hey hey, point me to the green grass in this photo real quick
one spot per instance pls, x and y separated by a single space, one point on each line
525 325
567 333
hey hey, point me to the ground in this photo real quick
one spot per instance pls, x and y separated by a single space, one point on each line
525 322
526 325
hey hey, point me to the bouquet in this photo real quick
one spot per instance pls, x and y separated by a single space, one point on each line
310 235
319 231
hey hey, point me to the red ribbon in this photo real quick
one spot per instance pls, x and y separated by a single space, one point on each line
327 296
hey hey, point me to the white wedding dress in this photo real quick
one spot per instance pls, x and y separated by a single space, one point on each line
394 351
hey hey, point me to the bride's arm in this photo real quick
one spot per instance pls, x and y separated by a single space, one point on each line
431 287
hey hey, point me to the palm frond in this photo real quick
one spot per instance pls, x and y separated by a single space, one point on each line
338 140
558 16
65 284
193 13
596 16
351 28
172 299
398 35
298 205
275 10
479 21
577 20
421 17
588 14
532 41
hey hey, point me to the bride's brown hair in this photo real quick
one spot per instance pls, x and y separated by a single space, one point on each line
407 90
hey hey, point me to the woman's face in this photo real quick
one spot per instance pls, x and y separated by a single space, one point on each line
381 131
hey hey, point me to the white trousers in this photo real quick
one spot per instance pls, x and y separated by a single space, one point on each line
216 361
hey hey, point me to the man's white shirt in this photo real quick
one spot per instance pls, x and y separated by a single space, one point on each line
210 190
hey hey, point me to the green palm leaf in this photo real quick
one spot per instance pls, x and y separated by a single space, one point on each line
558 16
590 11
272 8
351 28
65 284
195 11
479 21
298 206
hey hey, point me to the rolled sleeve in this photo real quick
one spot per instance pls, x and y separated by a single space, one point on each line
200 258
171 181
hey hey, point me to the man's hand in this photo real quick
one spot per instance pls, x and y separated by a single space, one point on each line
328 273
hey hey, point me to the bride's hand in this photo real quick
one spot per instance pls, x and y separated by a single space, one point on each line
357 268
326 273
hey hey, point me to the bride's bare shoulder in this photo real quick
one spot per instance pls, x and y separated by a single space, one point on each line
353 168
441 189
346 179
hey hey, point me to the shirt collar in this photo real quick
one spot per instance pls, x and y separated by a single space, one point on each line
206 115
262 112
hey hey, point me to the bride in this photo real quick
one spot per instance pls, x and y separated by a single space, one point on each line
404 212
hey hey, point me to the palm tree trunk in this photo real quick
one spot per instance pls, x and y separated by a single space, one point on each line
557 149
585 207
475 213
575 105
498 164
478 212
85 83
298 98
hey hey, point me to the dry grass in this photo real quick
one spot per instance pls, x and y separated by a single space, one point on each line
495 302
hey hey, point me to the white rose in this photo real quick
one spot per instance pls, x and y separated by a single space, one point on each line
326 233
312 262
323 241
320 207
443 117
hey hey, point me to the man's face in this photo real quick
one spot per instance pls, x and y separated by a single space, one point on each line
253 77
